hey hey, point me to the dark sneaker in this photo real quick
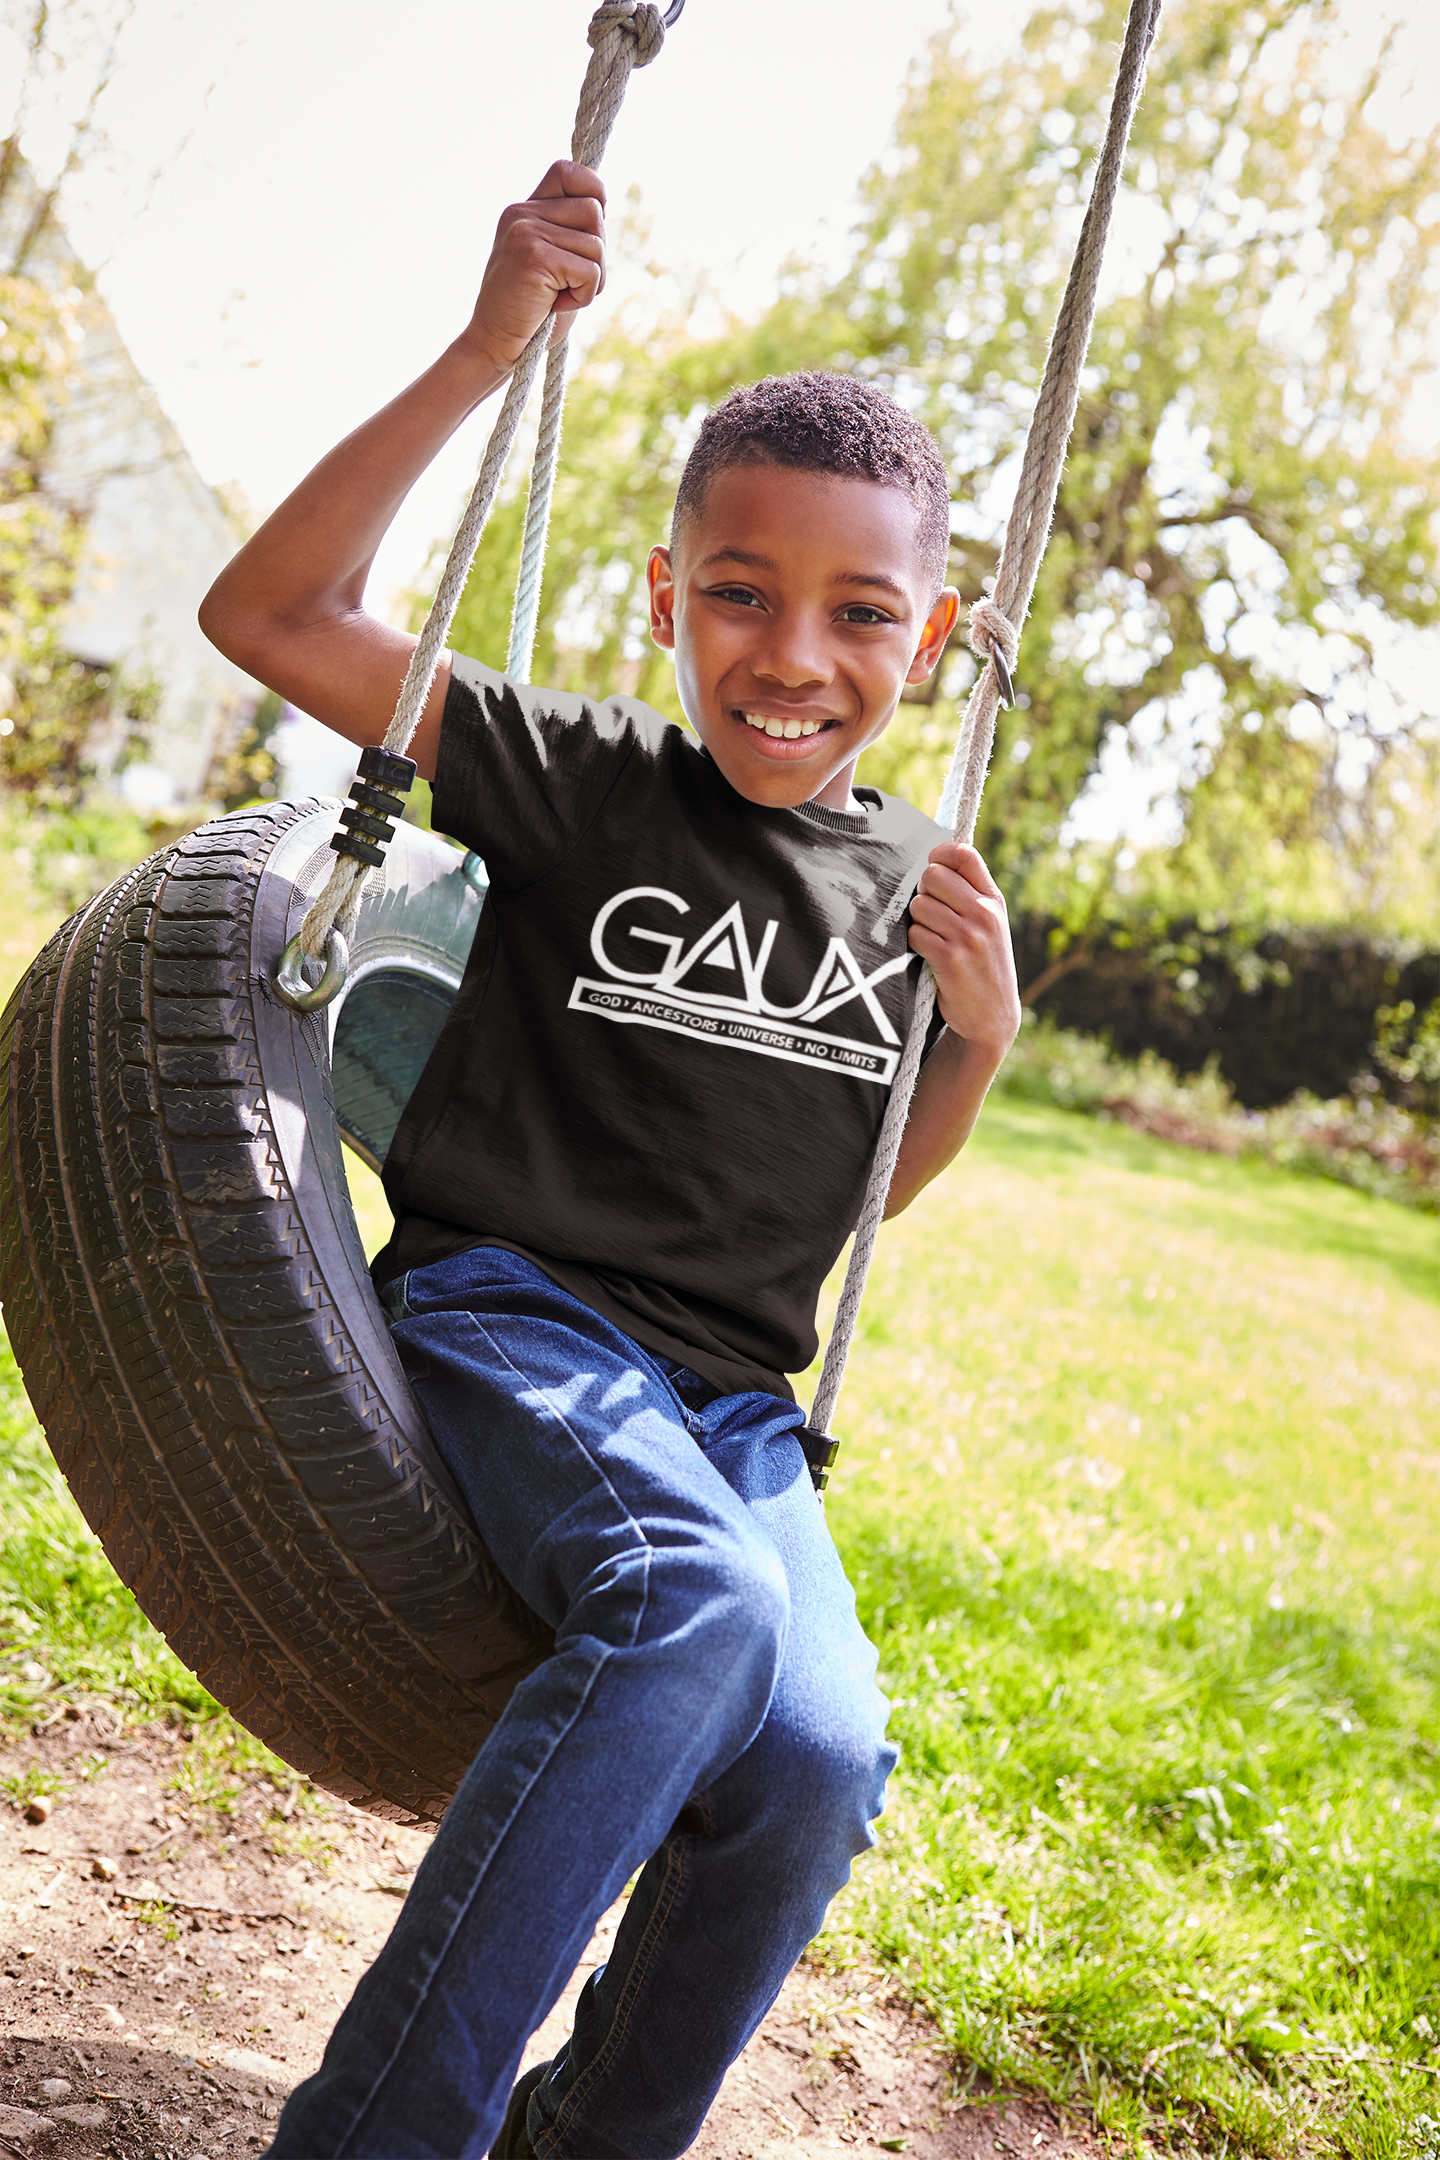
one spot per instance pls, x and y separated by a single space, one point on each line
513 2142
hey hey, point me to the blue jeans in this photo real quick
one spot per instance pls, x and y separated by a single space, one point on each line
710 1716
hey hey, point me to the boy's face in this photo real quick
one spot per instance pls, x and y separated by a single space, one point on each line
797 608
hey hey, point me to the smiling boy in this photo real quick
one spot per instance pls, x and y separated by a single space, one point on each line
636 1151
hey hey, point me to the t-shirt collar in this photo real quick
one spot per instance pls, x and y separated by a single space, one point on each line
846 821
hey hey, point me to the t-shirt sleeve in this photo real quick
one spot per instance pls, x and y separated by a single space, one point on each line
522 771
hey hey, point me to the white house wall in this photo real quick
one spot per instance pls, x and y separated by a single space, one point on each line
155 537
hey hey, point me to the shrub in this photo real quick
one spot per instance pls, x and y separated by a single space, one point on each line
1357 1139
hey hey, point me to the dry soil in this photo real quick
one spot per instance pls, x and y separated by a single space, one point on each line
169 1970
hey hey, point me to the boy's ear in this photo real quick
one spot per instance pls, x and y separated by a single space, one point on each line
938 625
660 575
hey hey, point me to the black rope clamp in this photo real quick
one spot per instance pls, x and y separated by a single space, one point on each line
378 796
820 1452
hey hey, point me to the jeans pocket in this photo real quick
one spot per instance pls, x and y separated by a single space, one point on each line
691 1395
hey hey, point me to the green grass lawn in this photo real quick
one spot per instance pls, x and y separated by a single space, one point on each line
1139 1490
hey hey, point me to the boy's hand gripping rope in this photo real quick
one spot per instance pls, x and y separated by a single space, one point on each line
623 34
995 635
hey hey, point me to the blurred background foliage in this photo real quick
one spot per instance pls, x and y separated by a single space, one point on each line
1243 539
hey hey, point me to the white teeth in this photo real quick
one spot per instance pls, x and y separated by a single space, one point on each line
789 729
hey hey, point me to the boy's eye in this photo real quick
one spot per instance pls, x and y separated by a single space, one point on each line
862 612
741 594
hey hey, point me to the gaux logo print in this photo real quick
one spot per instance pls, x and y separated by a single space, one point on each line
714 989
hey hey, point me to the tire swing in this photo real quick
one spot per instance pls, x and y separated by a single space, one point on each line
181 1273
187 1296
182 1277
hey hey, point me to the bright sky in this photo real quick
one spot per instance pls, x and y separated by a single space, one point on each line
322 234
332 178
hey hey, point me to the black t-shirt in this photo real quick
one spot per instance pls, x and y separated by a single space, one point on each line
664 1075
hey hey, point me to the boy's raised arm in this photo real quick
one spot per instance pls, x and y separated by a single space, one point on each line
290 608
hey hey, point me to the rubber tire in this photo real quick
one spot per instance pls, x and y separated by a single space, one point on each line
188 1300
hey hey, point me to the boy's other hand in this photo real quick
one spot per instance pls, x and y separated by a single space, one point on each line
549 253
959 924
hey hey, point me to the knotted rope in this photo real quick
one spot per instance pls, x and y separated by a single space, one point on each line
623 35
996 623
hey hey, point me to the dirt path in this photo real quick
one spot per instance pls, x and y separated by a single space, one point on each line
168 1972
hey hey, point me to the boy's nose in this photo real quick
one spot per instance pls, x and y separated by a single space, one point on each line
792 655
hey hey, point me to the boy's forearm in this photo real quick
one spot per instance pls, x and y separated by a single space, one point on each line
318 546
289 608
277 609
953 1084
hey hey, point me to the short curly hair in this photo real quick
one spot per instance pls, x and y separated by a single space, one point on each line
823 423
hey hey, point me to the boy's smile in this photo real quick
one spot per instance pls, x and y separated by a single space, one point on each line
798 607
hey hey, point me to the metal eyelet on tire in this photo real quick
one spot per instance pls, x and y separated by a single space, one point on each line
294 986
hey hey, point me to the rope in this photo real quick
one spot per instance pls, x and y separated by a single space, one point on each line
537 517
996 623
623 34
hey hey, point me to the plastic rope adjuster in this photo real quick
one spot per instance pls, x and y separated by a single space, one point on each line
378 795
820 1452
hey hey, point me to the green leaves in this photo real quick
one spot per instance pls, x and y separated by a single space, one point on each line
1408 1048
1235 490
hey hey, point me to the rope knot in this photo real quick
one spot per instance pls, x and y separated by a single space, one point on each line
990 631
639 19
